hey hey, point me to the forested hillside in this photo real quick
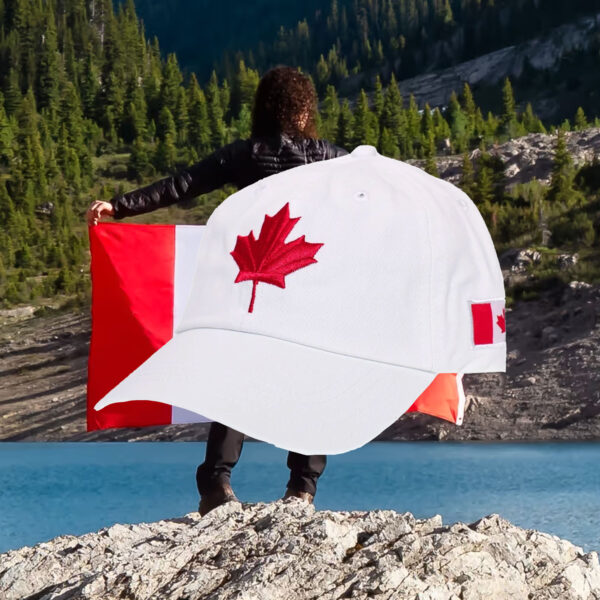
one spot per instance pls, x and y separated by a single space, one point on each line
88 106
347 42
201 31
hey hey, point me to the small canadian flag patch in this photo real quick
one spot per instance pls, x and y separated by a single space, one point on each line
489 322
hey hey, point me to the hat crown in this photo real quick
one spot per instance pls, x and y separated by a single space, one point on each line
394 243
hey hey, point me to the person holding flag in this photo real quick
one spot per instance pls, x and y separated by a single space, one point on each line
283 136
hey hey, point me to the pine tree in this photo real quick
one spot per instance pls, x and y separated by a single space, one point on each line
530 122
470 110
139 160
388 144
378 98
112 104
6 135
447 14
225 98
199 134
244 87
345 128
89 85
68 159
498 171
64 281
166 125
215 112
468 102
467 177
165 156
440 125
31 156
427 126
182 116
581 122
392 117
365 131
7 207
508 120
3 272
458 124
562 188
243 123
330 114
135 124
322 73
71 116
49 61
413 121
69 60
484 188
430 162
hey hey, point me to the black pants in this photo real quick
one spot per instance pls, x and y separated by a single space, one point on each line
223 450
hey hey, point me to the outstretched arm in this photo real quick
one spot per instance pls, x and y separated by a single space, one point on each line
334 151
211 173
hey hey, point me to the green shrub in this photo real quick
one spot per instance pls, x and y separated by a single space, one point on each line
576 230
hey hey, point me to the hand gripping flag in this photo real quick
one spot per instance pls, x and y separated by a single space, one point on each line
141 279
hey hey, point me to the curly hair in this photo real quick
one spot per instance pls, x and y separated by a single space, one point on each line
282 97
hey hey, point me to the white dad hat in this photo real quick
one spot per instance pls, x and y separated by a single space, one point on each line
326 299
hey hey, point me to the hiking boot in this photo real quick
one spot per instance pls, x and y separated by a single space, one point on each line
221 494
289 493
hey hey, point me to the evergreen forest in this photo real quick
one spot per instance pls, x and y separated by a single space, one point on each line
90 106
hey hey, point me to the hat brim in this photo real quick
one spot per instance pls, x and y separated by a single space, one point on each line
295 397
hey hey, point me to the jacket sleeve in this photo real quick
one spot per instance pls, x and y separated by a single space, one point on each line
209 174
333 151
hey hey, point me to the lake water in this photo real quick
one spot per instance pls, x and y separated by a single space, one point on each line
51 489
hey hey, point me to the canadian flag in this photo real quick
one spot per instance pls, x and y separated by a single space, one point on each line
141 280
489 322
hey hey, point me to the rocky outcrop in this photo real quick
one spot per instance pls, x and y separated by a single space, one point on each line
527 157
286 550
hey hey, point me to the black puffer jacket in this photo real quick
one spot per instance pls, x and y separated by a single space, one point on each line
241 163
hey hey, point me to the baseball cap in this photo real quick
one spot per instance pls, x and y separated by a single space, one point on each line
326 299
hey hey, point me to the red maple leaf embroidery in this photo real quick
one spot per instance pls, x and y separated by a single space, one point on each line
501 321
269 258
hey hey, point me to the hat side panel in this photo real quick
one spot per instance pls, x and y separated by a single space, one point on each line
465 269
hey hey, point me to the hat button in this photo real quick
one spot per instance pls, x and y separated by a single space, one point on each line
364 150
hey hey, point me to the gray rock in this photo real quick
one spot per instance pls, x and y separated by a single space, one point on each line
517 260
567 261
527 157
286 549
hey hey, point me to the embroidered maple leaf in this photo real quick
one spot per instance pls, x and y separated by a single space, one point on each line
501 321
269 259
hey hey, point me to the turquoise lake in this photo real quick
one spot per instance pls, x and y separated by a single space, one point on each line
51 489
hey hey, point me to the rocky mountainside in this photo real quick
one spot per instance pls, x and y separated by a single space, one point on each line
543 54
286 550
527 157
551 389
